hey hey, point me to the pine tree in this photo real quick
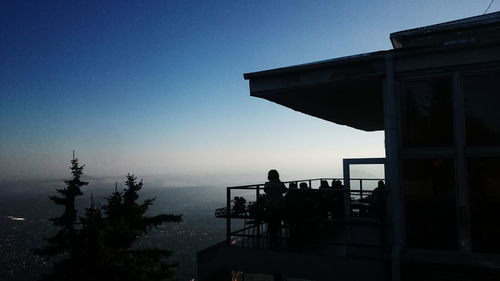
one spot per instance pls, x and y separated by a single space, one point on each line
100 245
126 221
94 254
66 241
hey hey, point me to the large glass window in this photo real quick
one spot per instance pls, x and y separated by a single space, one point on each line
427 113
482 117
429 189
484 190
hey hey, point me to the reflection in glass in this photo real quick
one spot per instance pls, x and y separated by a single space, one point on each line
482 93
427 114
484 189
429 189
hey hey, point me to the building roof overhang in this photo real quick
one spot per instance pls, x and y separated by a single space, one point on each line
347 91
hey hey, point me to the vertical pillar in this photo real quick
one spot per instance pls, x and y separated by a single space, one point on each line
460 172
347 200
228 219
391 129
347 189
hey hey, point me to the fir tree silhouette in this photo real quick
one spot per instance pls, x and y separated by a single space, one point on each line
125 221
66 241
95 255
101 245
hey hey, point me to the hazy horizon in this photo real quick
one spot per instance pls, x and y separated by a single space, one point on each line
177 181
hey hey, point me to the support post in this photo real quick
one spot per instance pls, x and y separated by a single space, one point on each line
360 188
228 219
391 129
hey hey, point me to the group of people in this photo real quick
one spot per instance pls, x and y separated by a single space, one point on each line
304 213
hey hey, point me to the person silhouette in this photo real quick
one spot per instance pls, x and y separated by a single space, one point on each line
303 185
293 202
338 200
376 200
275 204
324 185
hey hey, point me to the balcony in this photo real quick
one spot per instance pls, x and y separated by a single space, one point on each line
331 231
246 221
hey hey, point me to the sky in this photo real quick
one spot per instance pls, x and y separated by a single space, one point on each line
156 88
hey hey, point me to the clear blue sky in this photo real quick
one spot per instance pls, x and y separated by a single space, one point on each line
156 87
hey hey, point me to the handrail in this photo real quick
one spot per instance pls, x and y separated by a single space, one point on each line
226 212
303 180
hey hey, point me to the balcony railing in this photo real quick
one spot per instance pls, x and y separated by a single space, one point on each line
245 211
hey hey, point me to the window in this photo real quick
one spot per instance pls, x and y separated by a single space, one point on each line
429 190
484 190
427 113
482 96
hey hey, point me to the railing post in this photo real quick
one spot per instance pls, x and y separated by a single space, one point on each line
257 202
228 219
360 188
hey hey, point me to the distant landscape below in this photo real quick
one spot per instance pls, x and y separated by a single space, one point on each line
25 210
29 202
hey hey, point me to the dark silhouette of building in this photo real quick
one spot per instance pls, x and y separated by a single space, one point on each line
436 96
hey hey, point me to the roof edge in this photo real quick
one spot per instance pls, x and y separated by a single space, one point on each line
316 65
475 20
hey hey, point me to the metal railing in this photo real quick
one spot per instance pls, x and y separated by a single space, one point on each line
354 207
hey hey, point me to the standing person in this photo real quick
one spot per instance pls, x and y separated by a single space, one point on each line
275 204
339 198
291 214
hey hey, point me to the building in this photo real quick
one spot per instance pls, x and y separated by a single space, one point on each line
436 96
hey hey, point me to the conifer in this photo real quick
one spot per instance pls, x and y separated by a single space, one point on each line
126 222
101 245
66 241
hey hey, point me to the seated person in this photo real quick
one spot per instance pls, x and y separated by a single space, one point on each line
293 211
325 199
303 185
376 199
337 184
308 217
338 200
292 197
324 185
